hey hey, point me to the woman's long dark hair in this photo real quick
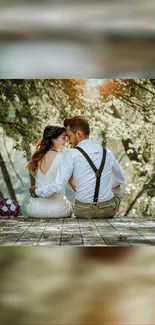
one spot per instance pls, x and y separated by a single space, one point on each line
50 132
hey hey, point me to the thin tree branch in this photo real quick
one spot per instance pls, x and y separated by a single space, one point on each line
11 161
122 157
53 101
143 87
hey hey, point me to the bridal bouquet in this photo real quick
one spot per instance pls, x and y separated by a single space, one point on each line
9 208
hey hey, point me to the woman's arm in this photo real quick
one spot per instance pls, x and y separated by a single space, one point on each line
72 184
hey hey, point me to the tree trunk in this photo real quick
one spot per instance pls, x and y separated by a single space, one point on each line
7 179
32 180
133 156
1 195
28 156
149 186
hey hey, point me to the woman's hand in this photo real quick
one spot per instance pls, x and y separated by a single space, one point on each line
32 191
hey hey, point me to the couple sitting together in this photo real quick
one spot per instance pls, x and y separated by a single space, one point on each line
90 170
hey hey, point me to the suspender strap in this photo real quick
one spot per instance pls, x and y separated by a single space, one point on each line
97 172
98 176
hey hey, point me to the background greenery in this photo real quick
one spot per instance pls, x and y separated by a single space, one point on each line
121 115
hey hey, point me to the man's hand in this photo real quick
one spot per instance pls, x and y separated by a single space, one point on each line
71 183
32 191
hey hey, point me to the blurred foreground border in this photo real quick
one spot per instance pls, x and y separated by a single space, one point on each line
77 39
63 286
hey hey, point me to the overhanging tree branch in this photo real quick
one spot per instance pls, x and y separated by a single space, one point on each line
146 187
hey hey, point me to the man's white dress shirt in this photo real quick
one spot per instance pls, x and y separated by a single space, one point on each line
74 163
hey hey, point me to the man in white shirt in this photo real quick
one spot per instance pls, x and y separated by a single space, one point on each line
96 183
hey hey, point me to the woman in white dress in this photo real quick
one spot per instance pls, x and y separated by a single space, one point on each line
43 166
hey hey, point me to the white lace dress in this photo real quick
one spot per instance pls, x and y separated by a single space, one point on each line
55 206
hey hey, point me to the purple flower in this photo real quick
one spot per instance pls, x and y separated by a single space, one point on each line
9 208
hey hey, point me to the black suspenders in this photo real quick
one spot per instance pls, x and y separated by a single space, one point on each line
97 172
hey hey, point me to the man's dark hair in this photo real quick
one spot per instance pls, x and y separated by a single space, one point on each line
78 123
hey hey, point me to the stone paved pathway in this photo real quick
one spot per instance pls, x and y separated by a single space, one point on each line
82 232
